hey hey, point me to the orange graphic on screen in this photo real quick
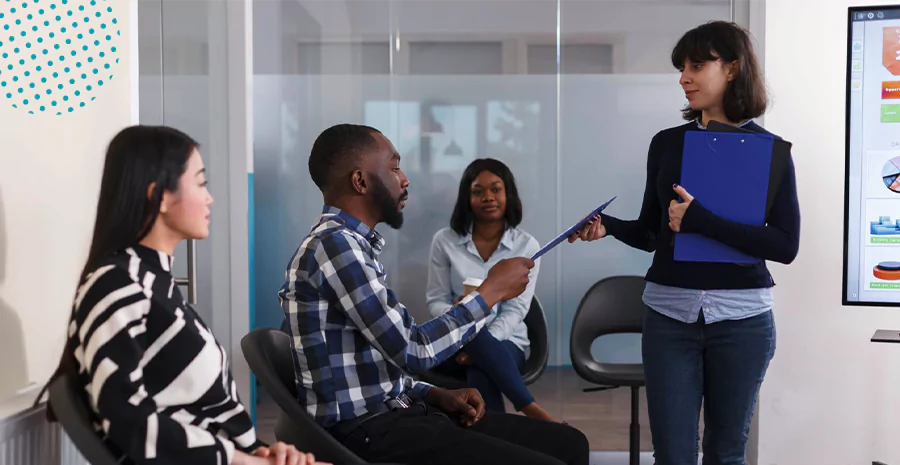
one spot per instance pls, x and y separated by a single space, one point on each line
891 53
890 89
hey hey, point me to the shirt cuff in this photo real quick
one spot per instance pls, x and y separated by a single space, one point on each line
610 223
228 448
418 390
695 218
476 305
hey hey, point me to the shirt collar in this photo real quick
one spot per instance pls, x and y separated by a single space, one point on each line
701 126
506 241
152 257
330 213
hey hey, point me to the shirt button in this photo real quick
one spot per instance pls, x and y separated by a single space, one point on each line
702 292
706 310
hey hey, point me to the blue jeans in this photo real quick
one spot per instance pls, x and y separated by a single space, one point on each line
497 371
721 365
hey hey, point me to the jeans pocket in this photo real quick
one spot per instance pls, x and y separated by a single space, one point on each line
359 441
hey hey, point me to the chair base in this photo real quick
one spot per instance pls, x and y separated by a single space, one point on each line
634 434
600 388
634 447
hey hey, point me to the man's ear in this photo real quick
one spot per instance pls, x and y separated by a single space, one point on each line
358 181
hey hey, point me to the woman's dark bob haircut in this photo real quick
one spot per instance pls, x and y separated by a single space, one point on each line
745 96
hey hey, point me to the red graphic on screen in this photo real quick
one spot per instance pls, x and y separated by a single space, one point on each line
890 90
891 53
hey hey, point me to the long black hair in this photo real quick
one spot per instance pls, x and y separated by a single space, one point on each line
137 158
745 97
463 217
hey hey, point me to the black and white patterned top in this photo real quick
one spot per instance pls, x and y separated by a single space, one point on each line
155 376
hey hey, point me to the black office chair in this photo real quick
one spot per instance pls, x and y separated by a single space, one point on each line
74 416
536 322
611 306
268 352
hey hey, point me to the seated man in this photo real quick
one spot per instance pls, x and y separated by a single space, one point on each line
354 341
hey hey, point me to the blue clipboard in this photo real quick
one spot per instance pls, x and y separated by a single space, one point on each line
730 174
575 227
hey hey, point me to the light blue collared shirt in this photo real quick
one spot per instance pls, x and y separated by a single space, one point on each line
455 258
685 305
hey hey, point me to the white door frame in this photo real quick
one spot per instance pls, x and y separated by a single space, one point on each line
239 24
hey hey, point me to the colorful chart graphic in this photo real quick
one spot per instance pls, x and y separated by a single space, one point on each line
890 174
891 50
888 271
884 227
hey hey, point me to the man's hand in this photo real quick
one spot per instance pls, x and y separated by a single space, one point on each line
467 404
463 358
506 280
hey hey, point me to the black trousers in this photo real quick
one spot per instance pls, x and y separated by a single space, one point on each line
421 435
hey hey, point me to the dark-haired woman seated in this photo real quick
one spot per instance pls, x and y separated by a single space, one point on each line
484 230
158 383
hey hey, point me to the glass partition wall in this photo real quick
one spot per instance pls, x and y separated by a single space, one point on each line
568 93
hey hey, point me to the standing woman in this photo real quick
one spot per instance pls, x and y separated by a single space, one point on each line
711 333
157 381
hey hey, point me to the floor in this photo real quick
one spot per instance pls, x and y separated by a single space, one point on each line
603 416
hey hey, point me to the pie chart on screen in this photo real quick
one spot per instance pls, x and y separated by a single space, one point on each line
890 174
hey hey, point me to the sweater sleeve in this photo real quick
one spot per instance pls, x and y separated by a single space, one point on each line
642 232
778 240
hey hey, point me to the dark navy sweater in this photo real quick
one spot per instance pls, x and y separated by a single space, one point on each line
777 241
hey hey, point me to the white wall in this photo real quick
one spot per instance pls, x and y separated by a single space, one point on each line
50 169
831 397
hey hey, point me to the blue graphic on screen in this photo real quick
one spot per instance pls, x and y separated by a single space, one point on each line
884 227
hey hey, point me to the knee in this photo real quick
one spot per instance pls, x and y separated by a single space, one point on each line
482 341
575 444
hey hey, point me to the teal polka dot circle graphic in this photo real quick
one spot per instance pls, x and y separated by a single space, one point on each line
56 56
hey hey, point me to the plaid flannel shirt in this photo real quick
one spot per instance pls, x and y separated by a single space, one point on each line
353 341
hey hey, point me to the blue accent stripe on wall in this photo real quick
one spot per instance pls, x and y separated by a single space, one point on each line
252 285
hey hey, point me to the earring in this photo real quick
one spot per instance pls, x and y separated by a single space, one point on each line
163 209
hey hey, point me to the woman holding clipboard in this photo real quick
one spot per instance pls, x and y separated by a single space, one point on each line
711 334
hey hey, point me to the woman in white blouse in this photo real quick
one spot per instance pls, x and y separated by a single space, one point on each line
483 230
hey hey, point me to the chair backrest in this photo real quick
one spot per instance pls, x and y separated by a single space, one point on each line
536 322
269 354
75 417
613 305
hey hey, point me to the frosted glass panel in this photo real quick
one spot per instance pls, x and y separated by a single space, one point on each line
456 58
366 58
573 59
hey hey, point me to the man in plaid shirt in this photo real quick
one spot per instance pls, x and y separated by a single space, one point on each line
354 342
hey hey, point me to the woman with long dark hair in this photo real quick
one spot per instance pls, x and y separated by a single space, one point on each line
484 230
709 333
154 376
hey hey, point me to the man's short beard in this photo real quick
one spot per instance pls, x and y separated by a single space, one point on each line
388 206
